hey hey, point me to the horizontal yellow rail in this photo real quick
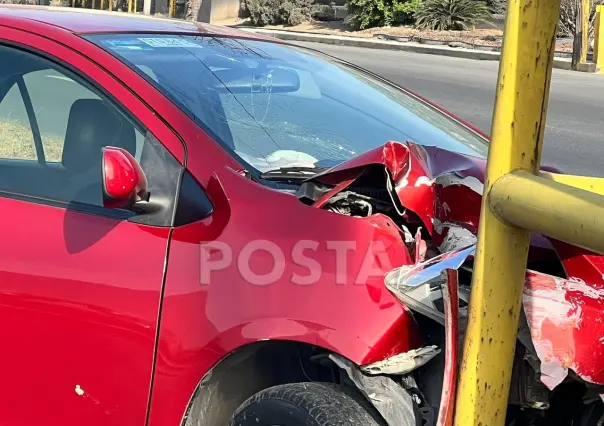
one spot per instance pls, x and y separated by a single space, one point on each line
560 211
591 184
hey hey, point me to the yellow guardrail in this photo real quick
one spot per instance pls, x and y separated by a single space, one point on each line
518 199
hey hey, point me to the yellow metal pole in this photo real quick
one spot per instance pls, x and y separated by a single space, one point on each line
499 267
135 6
172 8
130 2
541 205
73 3
599 39
585 12
110 5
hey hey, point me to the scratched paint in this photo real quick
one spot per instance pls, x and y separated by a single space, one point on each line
424 180
565 319
454 179
453 236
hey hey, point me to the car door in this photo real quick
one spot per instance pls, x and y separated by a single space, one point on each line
80 284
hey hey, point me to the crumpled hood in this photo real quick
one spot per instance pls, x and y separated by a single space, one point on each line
442 189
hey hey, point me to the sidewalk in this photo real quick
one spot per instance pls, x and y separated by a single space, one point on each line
560 63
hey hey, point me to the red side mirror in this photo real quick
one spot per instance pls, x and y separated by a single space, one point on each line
124 182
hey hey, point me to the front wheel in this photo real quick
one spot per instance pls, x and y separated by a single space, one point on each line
302 404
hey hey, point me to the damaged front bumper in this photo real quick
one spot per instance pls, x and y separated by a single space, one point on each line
564 317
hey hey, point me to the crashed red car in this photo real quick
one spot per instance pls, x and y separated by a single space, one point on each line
204 227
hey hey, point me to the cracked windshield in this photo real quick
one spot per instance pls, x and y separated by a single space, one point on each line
279 106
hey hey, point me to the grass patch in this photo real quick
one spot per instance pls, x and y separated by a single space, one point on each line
17 142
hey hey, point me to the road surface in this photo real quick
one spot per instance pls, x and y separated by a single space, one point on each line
574 137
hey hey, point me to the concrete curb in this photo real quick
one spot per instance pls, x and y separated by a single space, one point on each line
560 63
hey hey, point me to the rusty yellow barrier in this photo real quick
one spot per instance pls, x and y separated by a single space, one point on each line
591 184
501 256
518 199
546 206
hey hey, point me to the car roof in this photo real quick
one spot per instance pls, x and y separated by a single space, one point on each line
86 21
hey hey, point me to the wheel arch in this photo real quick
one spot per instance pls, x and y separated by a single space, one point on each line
251 368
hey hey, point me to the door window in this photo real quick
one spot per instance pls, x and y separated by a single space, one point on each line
15 129
53 126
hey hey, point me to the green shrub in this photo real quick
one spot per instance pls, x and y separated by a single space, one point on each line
378 13
451 14
277 12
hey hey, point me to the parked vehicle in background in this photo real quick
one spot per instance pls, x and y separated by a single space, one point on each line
206 227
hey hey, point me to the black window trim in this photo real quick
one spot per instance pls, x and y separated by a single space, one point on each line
73 206
33 120
70 71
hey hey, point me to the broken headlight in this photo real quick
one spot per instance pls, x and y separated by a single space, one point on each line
419 286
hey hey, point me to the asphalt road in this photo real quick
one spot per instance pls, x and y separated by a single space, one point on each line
574 137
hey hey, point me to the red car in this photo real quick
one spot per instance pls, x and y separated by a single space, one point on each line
198 222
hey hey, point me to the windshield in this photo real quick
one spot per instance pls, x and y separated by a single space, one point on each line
283 106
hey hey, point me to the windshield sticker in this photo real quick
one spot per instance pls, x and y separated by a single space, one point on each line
128 45
168 42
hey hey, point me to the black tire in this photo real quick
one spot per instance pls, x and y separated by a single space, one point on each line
302 404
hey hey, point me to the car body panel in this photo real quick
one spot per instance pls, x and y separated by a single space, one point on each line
79 296
565 321
203 322
80 291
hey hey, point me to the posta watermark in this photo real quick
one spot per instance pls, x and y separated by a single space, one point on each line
263 262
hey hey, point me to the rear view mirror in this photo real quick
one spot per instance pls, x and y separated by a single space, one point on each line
246 81
124 182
